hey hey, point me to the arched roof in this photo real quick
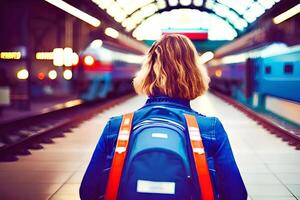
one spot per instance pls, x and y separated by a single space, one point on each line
236 14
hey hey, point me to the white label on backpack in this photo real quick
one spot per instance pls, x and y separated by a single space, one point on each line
155 187
195 135
160 135
126 121
198 150
120 150
123 135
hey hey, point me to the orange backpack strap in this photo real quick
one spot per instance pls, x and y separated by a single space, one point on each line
119 158
199 158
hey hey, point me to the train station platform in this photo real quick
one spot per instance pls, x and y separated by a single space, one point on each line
37 107
269 166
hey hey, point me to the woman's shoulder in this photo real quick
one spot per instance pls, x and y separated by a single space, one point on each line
113 126
206 123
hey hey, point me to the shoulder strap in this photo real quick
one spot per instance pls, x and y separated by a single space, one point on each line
119 158
199 157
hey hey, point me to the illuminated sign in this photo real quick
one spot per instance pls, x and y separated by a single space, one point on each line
68 57
64 57
58 57
193 34
10 55
44 55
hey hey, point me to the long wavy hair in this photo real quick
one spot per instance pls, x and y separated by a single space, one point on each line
172 68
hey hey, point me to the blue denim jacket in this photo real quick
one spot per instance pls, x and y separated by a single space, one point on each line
227 181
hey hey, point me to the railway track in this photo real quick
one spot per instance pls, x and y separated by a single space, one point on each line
289 135
17 137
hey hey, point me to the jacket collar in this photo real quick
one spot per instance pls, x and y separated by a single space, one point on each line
169 100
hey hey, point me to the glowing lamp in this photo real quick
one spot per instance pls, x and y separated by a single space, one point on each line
111 32
88 60
67 74
75 58
96 44
205 57
58 57
68 57
41 76
218 73
52 74
22 74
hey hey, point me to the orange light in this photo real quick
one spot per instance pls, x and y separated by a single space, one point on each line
218 73
41 76
88 60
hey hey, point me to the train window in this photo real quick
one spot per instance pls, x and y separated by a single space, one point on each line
268 70
288 68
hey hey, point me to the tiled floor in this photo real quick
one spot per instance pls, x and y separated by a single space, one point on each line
270 168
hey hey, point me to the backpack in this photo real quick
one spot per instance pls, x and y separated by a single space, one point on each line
153 161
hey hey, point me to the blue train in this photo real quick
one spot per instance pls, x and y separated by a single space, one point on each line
265 79
105 69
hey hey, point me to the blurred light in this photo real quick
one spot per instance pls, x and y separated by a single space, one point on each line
67 74
41 76
235 58
205 57
249 16
173 2
198 2
161 4
10 55
75 12
75 58
52 74
88 60
96 44
257 9
72 103
58 57
267 3
218 73
68 56
287 14
274 49
103 3
111 32
22 74
185 2
116 11
44 55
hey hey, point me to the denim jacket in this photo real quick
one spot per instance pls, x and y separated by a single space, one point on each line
226 179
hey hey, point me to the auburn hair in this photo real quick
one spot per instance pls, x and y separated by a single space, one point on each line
172 68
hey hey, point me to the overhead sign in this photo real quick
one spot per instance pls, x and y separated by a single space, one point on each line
16 55
44 55
193 34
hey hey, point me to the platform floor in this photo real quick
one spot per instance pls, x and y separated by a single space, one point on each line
37 106
270 167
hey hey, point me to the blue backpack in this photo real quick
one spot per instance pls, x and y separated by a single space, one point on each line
161 162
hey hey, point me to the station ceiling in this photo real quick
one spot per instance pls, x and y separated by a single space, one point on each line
222 19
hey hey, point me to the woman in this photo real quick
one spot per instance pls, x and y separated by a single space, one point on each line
171 76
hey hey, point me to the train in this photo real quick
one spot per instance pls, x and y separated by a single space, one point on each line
105 69
266 79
